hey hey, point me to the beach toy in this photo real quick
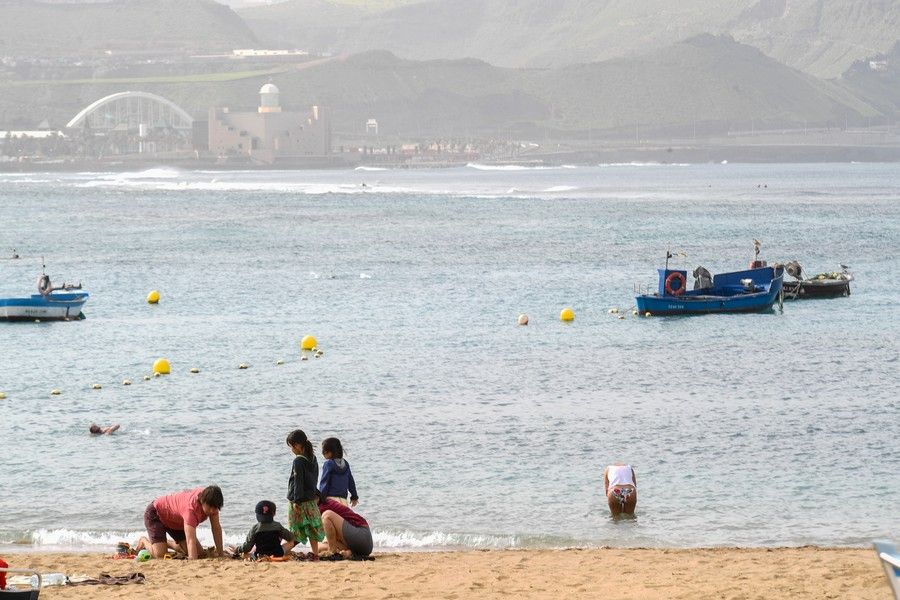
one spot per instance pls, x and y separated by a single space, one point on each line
55 392
161 367
195 370
153 297
523 319
308 343
567 314
96 386
143 556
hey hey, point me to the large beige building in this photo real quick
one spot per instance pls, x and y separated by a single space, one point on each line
269 135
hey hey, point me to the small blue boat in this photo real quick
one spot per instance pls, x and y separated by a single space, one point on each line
61 303
752 290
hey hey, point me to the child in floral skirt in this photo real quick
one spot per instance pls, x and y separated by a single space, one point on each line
304 518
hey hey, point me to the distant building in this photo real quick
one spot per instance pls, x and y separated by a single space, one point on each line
262 52
269 134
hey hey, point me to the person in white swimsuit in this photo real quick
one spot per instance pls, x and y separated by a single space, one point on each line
620 486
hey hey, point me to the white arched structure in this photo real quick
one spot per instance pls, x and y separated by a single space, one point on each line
129 110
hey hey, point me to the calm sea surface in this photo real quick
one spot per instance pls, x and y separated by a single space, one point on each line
462 429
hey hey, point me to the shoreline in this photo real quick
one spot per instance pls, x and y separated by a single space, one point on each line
801 572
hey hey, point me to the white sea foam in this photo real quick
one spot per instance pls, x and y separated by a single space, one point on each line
370 169
643 164
481 167
561 188
389 539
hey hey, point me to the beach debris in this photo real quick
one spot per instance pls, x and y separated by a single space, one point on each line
243 366
55 392
195 370
128 381
2 396
279 362
304 357
523 319
308 343
153 297
635 312
613 311
647 314
96 386
146 378
161 367
567 314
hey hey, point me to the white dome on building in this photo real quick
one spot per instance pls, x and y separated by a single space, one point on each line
268 99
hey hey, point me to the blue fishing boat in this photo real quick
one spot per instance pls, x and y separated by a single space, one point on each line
754 289
61 303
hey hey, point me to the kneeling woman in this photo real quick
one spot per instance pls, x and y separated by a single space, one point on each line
620 485
347 533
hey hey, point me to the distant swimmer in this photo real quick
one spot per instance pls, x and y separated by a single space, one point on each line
97 430
620 486
363 184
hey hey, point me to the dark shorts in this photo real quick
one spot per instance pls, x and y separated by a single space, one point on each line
156 530
358 539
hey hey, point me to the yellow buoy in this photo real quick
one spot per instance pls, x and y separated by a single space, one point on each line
161 367
128 381
567 314
55 392
308 342
523 319
243 366
195 370
96 386
153 297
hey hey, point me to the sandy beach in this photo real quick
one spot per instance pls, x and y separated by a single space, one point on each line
731 573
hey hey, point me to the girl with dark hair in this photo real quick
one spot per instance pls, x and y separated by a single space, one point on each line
337 480
304 517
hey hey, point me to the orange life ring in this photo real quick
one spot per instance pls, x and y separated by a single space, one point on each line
682 282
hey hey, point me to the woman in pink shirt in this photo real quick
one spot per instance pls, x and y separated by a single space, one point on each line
178 515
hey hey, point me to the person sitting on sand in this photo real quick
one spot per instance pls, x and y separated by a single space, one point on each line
346 532
178 515
266 536
97 430
620 487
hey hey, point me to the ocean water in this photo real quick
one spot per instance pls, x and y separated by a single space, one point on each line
462 429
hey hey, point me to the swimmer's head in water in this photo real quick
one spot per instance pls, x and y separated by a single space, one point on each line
95 429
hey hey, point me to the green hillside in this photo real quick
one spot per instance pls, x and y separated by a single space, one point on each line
709 82
37 29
